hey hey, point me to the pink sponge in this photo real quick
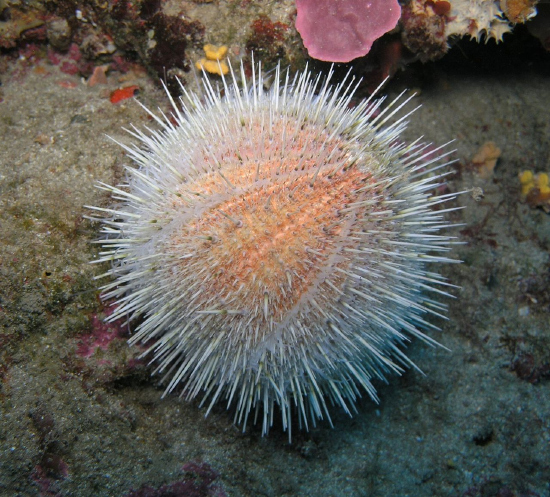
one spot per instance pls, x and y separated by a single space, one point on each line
342 30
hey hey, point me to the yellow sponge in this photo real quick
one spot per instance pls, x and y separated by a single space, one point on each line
213 63
213 52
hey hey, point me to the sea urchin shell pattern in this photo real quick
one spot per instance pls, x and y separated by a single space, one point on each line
278 244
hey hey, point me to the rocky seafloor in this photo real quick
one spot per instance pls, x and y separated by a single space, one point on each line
80 414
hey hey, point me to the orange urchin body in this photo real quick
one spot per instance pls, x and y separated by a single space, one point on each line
276 244
279 221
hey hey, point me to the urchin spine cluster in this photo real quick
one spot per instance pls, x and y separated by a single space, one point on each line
277 244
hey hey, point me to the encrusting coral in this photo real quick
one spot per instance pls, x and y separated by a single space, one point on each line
479 19
428 25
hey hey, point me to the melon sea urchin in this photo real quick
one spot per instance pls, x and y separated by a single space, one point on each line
278 245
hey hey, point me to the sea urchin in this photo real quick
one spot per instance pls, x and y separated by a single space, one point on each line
276 244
